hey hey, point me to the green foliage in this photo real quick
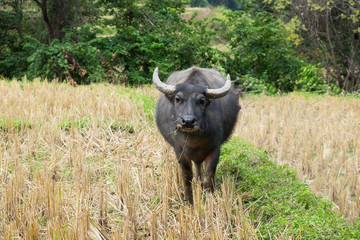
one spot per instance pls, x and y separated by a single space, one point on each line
231 4
13 63
259 48
151 35
12 57
147 103
310 81
199 3
74 59
279 202
20 20
156 35
255 47
252 84
255 6
333 40
335 89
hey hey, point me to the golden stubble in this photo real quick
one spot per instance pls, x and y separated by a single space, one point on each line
67 173
317 136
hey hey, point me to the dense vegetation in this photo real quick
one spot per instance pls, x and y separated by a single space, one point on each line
266 46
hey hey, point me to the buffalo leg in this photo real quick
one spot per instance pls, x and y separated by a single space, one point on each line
187 176
211 162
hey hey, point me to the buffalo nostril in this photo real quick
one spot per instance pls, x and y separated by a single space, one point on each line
188 120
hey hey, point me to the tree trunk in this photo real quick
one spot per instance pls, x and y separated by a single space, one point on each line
331 47
54 24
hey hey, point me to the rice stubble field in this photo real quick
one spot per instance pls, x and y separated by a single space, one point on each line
89 163
318 136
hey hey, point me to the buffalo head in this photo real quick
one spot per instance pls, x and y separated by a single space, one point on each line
190 102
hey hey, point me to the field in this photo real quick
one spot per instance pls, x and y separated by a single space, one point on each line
317 136
89 163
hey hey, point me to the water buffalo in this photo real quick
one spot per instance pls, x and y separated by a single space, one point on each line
196 114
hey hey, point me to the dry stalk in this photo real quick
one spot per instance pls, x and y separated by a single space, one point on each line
72 169
317 136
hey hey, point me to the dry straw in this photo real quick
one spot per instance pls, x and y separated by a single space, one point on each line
87 163
317 136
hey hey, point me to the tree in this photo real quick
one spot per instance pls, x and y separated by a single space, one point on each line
199 3
20 21
65 14
152 33
13 29
331 34
260 51
231 4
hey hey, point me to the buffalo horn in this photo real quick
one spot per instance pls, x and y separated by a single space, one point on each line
220 92
162 87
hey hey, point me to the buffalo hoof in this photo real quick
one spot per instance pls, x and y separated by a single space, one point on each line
208 184
188 197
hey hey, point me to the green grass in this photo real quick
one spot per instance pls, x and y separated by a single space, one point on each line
119 125
147 103
14 124
79 124
115 124
278 201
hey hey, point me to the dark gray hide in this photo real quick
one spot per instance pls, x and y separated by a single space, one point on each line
194 121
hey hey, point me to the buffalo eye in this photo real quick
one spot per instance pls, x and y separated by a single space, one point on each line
177 99
202 102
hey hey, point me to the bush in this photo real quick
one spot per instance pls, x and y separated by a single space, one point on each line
75 59
310 81
156 36
13 64
259 48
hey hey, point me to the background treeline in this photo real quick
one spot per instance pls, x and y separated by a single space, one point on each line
266 46
231 4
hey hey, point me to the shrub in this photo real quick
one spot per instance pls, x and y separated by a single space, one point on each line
74 59
156 36
259 48
310 81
